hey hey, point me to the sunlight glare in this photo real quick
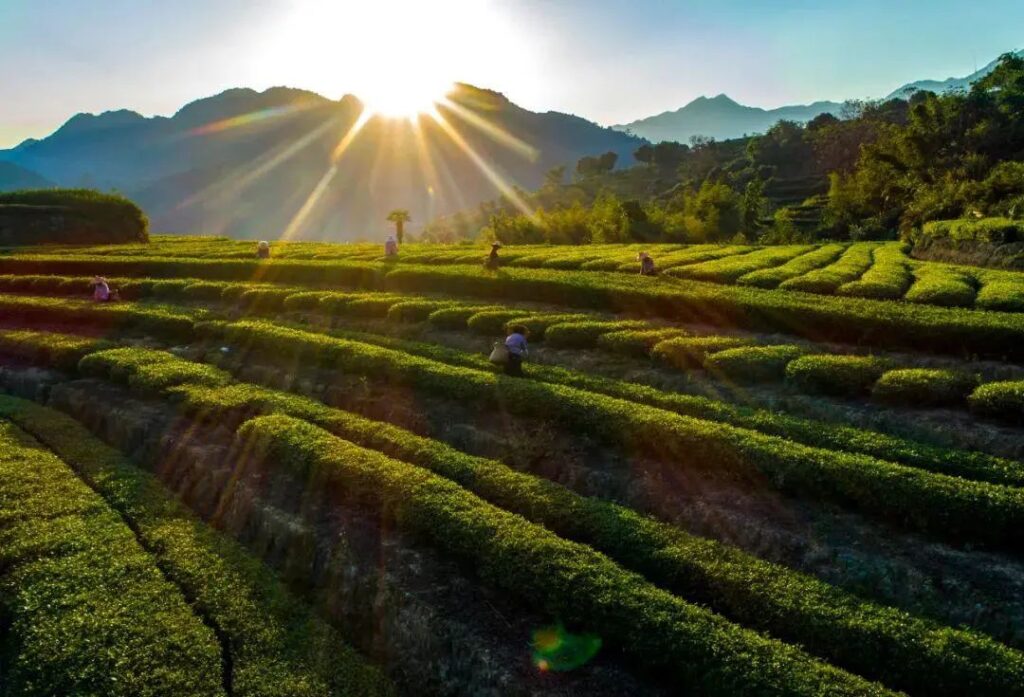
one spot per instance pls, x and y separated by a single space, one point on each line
398 57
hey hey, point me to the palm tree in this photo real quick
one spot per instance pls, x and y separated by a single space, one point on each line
399 217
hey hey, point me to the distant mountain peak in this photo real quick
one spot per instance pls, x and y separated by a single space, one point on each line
243 100
84 122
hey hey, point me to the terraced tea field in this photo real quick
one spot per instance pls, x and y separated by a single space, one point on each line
786 470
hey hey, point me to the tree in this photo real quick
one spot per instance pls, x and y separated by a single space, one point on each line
592 166
399 217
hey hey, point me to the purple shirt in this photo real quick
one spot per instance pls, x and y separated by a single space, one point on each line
516 344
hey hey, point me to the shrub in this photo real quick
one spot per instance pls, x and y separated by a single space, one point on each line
538 324
162 323
959 509
148 370
987 230
803 264
87 611
728 269
844 376
492 322
265 300
307 301
886 279
849 267
276 644
572 581
456 317
62 351
584 333
415 310
875 641
924 387
752 363
941 285
1000 400
637 342
689 352
70 216
1002 295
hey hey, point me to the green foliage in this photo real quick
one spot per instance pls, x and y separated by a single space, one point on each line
798 266
886 279
148 370
946 286
689 352
100 316
581 586
789 605
844 376
730 268
61 351
1005 294
924 387
637 343
584 333
86 609
277 646
992 231
752 363
82 216
1000 400
849 267
922 500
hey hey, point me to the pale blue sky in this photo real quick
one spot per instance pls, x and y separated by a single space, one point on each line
607 60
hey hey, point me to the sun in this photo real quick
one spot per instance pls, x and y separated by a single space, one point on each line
399 57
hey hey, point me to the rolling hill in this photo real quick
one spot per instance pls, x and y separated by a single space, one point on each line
14 177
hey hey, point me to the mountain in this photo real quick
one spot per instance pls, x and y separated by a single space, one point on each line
720 118
950 84
14 177
256 164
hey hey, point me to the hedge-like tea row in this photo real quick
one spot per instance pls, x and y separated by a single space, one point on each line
803 264
696 649
61 351
752 363
106 316
683 257
277 646
906 653
887 279
148 370
962 463
849 267
853 320
1001 291
936 284
842 376
1000 400
689 352
944 506
728 269
924 387
87 610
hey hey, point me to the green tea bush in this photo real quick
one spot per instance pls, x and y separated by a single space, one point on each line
98 316
999 400
987 230
637 343
62 351
585 333
693 647
149 370
456 317
935 503
276 644
86 610
843 376
71 216
306 301
752 363
730 268
849 267
689 352
906 652
924 387
492 322
887 279
941 285
409 311
1002 295
803 264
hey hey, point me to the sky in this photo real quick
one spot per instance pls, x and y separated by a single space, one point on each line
607 60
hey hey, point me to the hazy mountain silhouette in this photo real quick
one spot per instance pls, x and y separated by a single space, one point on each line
948 85
244 163
720 118
14 177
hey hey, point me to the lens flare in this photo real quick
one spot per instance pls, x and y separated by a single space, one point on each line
557 650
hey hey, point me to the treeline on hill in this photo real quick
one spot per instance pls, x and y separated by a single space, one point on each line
875 171
69 216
